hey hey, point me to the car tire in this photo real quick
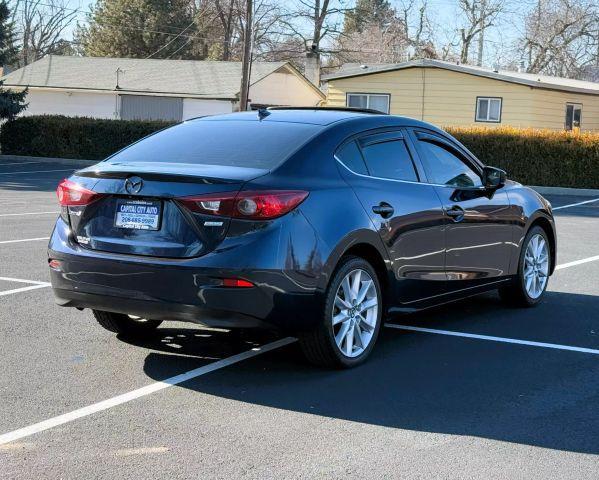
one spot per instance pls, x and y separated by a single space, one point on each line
321 346
528 287
125 325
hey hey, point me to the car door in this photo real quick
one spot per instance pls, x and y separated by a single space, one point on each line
478 230
406 213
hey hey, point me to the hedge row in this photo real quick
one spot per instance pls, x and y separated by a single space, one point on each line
537 157
71 137
533 157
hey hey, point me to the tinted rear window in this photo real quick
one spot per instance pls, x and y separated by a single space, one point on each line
231 143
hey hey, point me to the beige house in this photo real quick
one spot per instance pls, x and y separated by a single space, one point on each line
448 94
153 89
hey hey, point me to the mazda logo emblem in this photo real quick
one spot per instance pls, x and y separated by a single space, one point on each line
134 185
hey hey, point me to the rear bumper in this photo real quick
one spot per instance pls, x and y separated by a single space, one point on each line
158 310
186 289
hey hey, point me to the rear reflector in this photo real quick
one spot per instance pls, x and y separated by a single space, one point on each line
236 282
54 264
71 194
256 205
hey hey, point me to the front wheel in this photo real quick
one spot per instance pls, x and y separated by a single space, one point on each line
527 289
126 324
351 319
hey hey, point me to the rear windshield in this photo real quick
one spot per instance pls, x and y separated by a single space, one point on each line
228 142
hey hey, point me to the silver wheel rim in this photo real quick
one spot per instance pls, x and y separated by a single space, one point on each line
536 266
355 313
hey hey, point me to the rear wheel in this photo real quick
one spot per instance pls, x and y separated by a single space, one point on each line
351 319
126 324
527 289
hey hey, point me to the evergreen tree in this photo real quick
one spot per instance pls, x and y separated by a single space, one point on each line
139 29
367 13
11 103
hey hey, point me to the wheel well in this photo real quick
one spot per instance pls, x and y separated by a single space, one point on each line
545 225
372 256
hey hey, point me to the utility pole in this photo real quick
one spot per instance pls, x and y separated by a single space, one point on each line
247 57
481 35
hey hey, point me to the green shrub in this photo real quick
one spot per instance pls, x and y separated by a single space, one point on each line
533 157
536 157
71 137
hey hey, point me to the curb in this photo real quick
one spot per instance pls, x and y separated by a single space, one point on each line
576 192
65 161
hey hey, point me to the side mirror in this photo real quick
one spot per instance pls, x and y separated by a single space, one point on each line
493 178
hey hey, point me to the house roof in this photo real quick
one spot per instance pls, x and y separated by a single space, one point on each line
206 79
528 79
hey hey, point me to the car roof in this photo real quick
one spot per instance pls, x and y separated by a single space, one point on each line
323 116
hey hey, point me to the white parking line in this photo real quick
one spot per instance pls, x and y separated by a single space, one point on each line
18 163
34 285
22 289
493 339
577 262
37 171
24 240
140 392
28 213
576 204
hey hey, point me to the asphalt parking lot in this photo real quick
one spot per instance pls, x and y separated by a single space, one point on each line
471 390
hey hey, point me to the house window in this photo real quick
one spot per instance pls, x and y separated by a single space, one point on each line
573 115
374 101
488 109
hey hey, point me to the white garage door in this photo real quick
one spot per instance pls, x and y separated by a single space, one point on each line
142 107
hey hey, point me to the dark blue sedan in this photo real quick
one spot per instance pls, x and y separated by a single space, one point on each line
318 222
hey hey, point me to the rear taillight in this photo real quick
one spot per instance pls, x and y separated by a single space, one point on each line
256 205
71 194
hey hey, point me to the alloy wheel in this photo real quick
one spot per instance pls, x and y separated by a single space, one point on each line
355 313
536 266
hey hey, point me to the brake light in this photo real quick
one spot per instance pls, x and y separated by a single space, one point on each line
255 205
71 194
236 282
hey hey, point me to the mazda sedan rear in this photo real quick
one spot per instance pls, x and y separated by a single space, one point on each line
314 222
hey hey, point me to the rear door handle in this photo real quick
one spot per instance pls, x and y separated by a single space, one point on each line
456 212
383 209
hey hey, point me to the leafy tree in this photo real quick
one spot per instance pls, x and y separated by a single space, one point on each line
11 103
140 29
367 14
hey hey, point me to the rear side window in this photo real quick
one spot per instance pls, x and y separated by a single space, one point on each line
351 157
390 159
225 142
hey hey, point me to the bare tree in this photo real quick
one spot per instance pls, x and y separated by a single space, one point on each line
478 15
418 28
40 26
561 37
308 25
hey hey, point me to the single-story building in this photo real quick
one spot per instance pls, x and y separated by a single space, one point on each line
127 88
448 94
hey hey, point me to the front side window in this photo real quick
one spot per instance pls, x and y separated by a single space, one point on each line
443 167
573 115
374 101
390 159
488 109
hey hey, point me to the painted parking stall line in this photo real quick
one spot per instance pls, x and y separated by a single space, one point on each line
141 392
32 285
36 239
576 204
55 212
36 171
490 338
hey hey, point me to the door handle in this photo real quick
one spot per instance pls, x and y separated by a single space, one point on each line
383 209
456 212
